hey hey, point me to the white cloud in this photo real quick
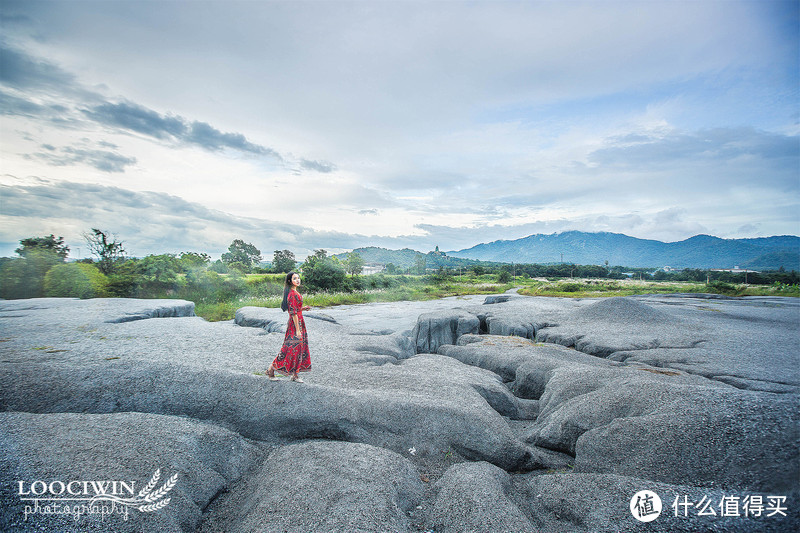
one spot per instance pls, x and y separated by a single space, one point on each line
427 123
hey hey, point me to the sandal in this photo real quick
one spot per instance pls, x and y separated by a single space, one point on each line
271 377
297 379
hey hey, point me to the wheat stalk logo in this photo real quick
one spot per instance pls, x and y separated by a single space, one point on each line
148 500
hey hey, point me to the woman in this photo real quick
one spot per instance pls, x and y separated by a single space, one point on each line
294 356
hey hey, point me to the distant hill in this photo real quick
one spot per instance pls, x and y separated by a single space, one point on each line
700 251
407 258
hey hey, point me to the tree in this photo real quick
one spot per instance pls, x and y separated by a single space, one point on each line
419 264
323 274
243 253
77 280
24 277
159 270
283 261
191 260
219 267
354 264
49 243
391 268
108 251
319 255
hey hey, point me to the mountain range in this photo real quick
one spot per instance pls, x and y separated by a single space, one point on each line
614 249
700 251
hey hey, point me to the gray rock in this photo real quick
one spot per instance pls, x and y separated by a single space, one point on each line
497 299
601 503
127 447
477 497
444 327
672 393
321 486
643 421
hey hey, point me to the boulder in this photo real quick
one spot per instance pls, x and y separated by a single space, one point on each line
322 486
440 328
477 497
126 447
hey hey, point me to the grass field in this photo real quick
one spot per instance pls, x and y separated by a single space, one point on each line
266 291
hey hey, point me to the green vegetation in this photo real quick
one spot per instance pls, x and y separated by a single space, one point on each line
219 288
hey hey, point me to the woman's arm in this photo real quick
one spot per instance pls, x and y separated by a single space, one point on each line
297 329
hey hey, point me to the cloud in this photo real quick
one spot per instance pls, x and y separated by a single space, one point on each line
133 117
25 76
104 160
717 144
148 222
319 166
25 73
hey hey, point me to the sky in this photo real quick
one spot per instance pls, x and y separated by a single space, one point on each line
182 125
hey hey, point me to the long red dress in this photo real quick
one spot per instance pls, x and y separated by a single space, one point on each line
294 355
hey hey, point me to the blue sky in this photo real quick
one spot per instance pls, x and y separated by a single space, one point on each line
182 125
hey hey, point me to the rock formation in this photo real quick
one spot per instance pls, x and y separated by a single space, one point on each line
524 414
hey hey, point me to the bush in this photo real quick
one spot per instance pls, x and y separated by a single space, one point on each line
24 277
324 275
207 286
157 274
570 287
75 281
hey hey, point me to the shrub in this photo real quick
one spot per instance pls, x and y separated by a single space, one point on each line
75 281
24 277
570 287
324 275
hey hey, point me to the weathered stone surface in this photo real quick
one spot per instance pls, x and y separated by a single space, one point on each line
440 328
127 447
480 497
644 421
322 486
681 394
189 367
601 503
477 497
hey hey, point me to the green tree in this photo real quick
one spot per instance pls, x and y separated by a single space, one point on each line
420 264
283 261
24 277
322 273
243 253
354 264
319 255
504 276
390 268
190 260
48 243
109 252
122 283
76 280
219 267
158 272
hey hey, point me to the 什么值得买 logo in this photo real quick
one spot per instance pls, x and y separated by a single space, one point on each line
645 506
97 497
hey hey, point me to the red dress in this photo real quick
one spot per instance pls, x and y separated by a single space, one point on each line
294 355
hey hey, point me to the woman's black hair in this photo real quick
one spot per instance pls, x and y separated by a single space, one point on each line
287 286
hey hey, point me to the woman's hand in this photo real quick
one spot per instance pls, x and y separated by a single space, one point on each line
306 307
